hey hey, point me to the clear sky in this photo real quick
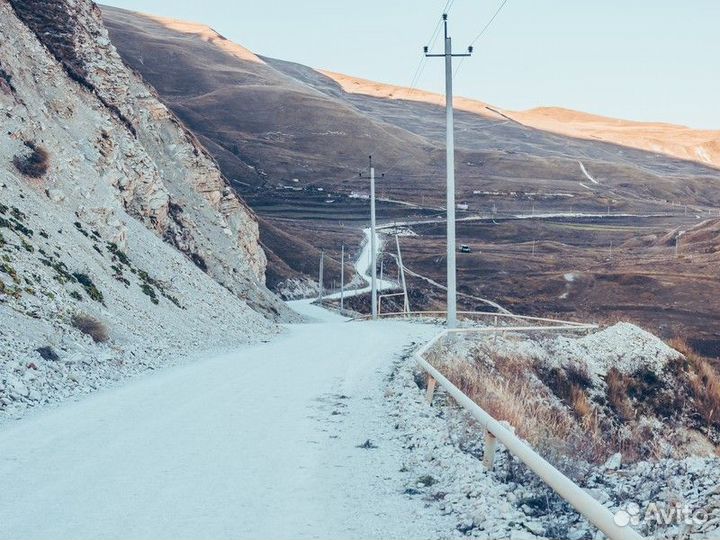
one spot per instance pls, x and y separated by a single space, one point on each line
636 59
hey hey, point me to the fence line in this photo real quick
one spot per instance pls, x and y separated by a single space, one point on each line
434 313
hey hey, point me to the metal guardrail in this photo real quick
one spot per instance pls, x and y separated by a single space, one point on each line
583 502
558 323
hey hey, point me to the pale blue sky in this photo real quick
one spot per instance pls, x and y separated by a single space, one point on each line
634 59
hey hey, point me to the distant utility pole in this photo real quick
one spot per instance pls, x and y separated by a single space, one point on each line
450 163
406 301
677 241
373 242
320 277
342 278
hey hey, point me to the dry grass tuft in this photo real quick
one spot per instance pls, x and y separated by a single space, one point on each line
35 164
703 382
91 326
617 395
508 393
580 403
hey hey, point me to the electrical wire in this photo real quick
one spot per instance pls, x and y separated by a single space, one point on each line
482 33
419 70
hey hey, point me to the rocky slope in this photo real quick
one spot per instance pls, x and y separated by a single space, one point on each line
114 221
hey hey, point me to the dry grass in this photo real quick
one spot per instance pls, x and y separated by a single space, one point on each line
703 382
617 395
91 326
508 393
574 419
35 164
580 403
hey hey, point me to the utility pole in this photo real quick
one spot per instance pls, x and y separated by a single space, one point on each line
320 277
406 301
342 278
450 165
373 242
677 242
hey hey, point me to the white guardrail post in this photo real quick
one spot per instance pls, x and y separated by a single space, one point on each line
584 503
430 389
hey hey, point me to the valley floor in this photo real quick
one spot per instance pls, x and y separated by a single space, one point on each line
263 442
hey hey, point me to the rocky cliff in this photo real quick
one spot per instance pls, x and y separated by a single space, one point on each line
121 244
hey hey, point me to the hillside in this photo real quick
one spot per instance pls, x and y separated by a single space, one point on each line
281 131
123 247
681 142
293 139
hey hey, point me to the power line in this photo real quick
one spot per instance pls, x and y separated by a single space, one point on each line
482 32
418 72
448 6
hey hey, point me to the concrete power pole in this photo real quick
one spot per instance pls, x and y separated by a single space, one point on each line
320 277
373 243
342 278
406 302
450 163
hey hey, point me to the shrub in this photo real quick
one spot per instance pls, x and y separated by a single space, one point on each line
147 289
6 81
48 353
91 326
199 261
90 288
35 164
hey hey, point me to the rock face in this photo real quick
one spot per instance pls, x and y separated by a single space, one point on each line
166 179
110 212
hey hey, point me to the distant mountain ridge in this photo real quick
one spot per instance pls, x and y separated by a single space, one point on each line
673 140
